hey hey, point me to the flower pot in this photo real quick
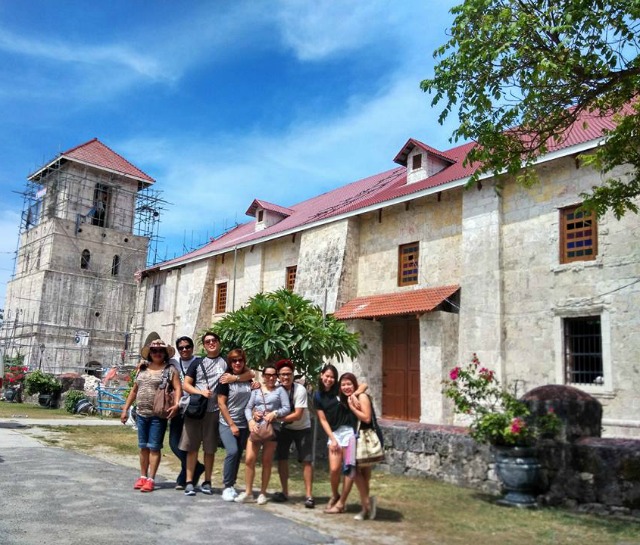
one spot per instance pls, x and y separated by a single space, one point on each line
519 471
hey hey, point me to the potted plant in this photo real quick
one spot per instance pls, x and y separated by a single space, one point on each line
501 420
45 385
14 374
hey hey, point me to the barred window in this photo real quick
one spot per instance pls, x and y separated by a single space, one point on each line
408 255
578 235
583 350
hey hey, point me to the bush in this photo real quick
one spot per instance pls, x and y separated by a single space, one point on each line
38 382
72 398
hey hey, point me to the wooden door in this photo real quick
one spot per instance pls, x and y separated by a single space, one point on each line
401 369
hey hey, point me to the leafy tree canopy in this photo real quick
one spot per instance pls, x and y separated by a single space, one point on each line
521 72
281 324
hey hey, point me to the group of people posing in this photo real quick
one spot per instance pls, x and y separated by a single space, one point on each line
237 407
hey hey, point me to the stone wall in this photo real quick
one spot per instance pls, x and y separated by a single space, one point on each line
597 475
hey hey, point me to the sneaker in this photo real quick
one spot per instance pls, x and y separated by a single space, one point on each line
229 493
373 507
279 497
205 488
360 516
140 483
243 497
189 490
148 486
309 502
262 499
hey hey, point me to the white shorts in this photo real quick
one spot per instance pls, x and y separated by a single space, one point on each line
342 435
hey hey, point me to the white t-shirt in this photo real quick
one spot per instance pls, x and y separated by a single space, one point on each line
300 399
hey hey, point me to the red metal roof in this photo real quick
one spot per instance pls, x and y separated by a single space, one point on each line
95 153
395 304
401 158
375 190
251 211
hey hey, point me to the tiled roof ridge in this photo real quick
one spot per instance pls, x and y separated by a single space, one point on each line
135 171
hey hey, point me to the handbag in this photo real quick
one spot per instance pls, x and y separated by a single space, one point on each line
163 399
369 447
196 408
264 431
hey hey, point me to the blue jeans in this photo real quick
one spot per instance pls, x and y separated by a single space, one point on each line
234 447
175 432
151 432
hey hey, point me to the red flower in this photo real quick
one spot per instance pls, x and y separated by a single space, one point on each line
517 425
453 374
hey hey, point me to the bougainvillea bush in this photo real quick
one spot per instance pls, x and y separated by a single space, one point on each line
497 417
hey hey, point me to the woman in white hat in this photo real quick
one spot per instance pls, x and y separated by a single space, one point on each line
151 428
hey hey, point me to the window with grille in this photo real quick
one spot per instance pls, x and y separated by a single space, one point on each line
221 298
408 264
583 350
578 235
156 298
291 277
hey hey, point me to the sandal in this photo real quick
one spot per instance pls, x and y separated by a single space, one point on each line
332 502
335 510
279 497
309 502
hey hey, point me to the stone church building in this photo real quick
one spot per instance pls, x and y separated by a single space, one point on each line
428 273
84 233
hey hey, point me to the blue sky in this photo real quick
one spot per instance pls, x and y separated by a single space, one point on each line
221 102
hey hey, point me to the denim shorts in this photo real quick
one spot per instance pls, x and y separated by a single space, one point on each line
151 432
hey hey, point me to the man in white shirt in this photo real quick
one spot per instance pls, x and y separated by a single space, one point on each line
296 429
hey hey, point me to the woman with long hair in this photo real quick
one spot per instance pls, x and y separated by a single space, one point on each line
153 372
266 404
339 423
360 406
232 400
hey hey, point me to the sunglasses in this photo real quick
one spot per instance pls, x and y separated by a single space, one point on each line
157 350
269 375
237 360
211 341
183 348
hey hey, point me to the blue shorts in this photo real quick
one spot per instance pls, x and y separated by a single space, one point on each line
151 432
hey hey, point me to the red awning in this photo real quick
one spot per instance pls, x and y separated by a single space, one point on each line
395 304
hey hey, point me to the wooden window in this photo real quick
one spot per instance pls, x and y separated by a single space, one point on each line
578 235
291 277
408 255
583 350
85 259
221 298
156 298
115 265
417 161
260 215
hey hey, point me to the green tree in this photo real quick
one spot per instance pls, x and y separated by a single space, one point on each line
281 324
521 72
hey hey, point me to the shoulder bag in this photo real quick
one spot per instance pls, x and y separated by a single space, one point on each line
197 406
264 431
163 400
369 449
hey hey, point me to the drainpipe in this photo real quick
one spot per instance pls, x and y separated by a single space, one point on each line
235 263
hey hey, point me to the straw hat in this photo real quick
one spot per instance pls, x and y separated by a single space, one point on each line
158 343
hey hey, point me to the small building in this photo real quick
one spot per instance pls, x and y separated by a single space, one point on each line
85 231
429 272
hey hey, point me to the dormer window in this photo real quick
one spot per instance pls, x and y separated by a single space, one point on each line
417 161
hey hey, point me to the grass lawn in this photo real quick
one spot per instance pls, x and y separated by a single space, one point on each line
29 410
412 511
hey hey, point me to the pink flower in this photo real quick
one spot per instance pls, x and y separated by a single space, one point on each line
453 374
517 425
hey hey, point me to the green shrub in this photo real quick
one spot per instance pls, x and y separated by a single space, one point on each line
38 382
72 398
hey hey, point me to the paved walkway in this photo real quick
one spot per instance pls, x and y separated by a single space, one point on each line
50 496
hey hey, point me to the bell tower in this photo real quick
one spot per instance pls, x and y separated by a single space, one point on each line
87 223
